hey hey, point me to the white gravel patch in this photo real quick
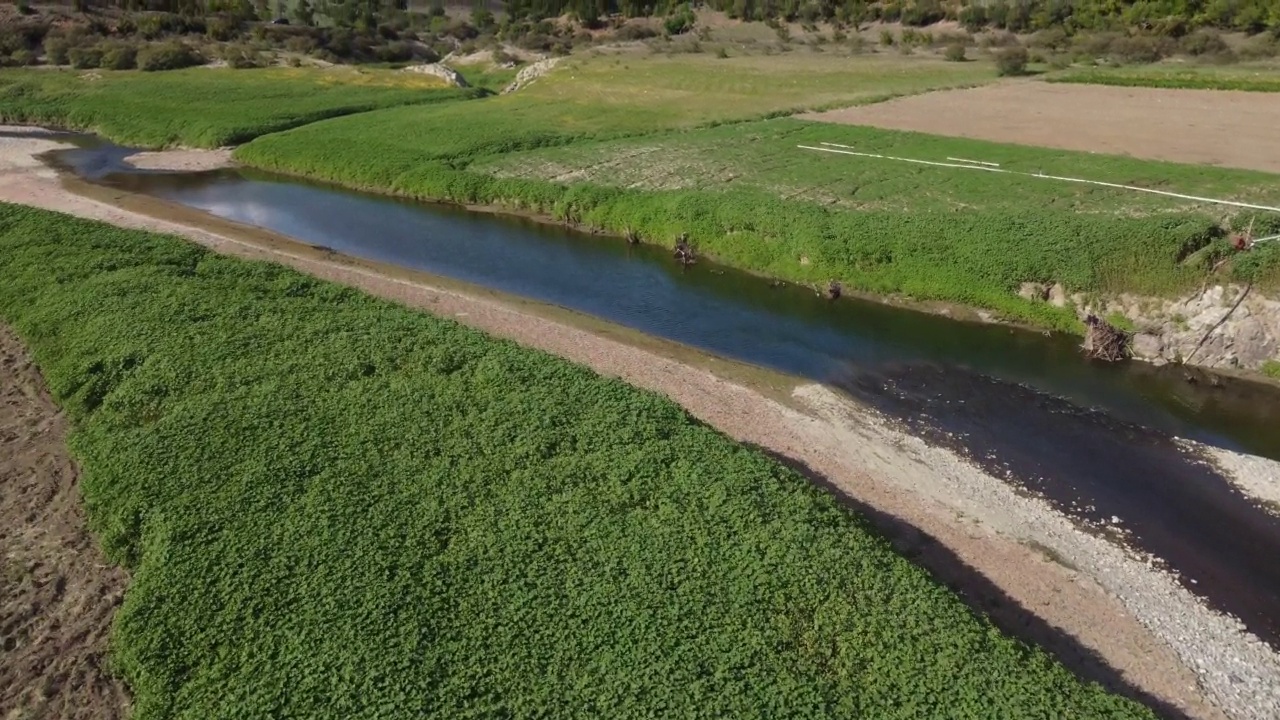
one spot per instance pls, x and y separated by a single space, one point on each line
1238 672
1256 477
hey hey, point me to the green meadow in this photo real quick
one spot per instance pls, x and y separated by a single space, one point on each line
332 506
203 107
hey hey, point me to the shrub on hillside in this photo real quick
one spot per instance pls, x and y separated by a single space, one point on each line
393 52
241 57
634 31
1260 47
222 27
118 55
1204 42
55 50
954 52
22 58
1141 49
167 56
1011 61
84 58
680 22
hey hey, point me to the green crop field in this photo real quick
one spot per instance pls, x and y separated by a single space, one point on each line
1247 78
606 96
202 107
746 194
335 507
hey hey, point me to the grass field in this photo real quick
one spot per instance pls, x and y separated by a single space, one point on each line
336 507
604 96
1248 78
202 107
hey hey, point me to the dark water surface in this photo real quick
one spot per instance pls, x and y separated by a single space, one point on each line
1084 434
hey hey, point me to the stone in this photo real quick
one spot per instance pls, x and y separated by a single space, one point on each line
1032 291
444 72
1057 295
1147 346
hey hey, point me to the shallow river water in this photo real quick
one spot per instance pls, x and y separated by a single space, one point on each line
1096 439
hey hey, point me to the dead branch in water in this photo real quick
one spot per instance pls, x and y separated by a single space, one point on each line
684 252
834 290
1104 341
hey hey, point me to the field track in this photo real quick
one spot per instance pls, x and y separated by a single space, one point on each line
1208 127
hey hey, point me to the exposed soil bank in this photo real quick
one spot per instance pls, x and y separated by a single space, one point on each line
57 592
1106 614
182 160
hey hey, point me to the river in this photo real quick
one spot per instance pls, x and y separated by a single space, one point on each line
1097 440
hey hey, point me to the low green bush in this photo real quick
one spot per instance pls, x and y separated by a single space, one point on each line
83 58
954 53
1011 61
118 55
167 56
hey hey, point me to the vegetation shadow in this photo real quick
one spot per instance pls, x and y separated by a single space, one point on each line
984 598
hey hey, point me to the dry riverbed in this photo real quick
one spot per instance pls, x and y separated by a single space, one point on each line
1107 614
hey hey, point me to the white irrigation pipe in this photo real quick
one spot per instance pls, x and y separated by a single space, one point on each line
835 148
975 162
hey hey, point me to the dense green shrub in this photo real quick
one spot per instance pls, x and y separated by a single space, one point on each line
55 50
118 55
1204 42
334 507
168 56
682 21
1011 60
954 52
82 58
23 57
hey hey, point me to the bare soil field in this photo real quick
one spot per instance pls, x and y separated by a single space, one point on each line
1203 127
58 594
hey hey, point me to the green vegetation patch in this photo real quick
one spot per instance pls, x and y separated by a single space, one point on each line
204 107
336 507
747 194
1186 79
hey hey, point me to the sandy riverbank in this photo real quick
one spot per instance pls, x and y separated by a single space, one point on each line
1108 615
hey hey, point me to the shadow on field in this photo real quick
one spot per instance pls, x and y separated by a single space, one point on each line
984 598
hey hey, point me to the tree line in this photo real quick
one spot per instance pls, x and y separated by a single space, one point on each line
1171 17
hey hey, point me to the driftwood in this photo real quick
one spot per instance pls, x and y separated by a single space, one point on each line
684 252
834 290
1104 341
633 238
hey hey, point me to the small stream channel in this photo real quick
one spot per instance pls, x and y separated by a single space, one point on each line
1097 440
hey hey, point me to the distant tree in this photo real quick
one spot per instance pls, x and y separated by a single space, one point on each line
304 13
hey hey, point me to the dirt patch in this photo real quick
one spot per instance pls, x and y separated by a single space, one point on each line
182 160
998 574
58 594
1203 127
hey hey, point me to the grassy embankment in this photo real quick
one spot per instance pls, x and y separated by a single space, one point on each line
334 506
1251 79
748 196
202 107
